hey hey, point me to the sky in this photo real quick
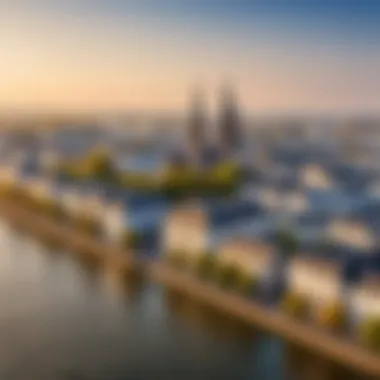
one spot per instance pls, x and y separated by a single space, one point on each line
281 56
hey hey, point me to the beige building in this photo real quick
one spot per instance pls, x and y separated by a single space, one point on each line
73 201
114 222
316 279
40 188
270 198
351 233
252 256
295 202
185 229
313 176
364 298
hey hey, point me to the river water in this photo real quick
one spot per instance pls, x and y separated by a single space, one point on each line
62 319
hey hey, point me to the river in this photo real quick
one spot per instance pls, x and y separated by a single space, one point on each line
62 319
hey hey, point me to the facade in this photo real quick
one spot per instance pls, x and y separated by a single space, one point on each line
318 280
194 227
364 299
185 229
114 222
252 256
352 233
315 177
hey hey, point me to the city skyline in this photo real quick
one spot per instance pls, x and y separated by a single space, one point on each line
114 55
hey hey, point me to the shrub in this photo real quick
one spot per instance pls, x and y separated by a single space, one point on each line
295 305
206 266
178 259
228 276
131 240
332 316
369 333
87 225
246 284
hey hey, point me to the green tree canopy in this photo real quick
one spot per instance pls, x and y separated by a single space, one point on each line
286 241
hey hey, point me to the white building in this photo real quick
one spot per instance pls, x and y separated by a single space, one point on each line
313 176
253 257
318 280
40 188
364 299
72 201
185 229
114 222
351 233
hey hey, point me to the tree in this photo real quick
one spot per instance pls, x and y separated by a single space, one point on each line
295 305
287 242
178 259
369 333
206 266
100 165
246 284
332 316
228 276
131 240
87 225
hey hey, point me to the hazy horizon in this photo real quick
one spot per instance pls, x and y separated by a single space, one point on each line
288 57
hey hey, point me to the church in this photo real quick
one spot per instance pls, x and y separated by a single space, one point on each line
200 148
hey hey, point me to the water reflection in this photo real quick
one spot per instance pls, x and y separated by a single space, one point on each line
64 318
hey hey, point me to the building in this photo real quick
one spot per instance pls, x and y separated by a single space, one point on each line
315 177
364 298
229 127
254 257
135 213
195 227
196 133
318 280
352 232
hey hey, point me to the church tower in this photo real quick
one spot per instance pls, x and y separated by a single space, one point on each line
196 133
228 123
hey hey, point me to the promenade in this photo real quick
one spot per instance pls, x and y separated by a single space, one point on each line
273 320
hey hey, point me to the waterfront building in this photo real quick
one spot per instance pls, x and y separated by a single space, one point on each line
192 227
318 280
40 188
253 256
364 298
134 213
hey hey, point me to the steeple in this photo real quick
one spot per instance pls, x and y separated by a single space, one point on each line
197 122
229 126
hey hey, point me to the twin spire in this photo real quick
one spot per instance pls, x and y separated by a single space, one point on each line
227 128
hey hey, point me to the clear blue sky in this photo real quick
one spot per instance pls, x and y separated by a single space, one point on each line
283 55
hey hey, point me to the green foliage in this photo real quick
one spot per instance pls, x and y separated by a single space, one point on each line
228 276
287 242
234 277
332 316
131 240
246 284
87 225
369 334
178 259
295 305
206 266
99 165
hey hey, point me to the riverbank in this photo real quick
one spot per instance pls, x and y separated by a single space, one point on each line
344 353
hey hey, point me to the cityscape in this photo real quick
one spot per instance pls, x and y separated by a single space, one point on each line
134 241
